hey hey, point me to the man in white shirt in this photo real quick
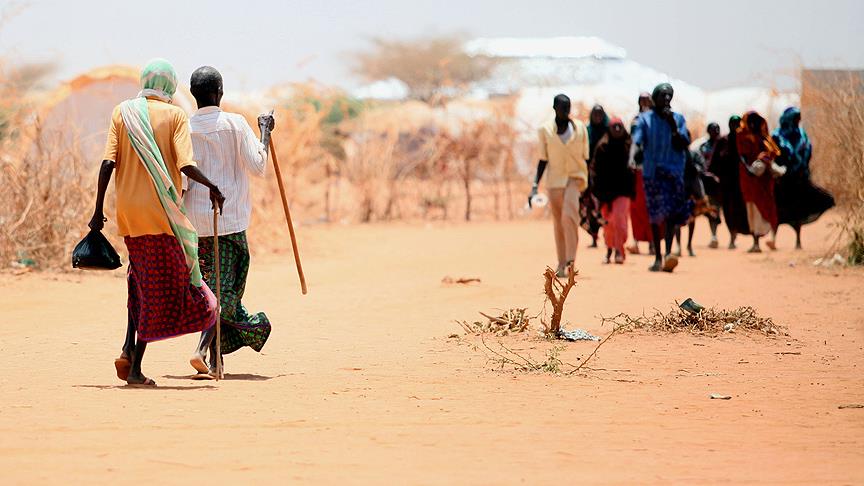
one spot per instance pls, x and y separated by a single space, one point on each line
227 151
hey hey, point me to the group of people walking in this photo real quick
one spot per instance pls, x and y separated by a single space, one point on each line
598 175
168 231
601 176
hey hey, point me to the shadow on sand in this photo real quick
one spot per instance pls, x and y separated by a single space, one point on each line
141 387
229 376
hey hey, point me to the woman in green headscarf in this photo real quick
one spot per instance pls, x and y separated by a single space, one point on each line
149 145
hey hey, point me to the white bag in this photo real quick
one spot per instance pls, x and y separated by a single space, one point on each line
757 168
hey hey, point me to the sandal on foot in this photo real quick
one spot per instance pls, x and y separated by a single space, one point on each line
122 365
146 383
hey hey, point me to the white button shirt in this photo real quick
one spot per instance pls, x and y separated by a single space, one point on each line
226 150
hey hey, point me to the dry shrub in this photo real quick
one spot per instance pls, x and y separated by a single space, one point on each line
709 322
47 195
432 68
509 322
833 111
45 200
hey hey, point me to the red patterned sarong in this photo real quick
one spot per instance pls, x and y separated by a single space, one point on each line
162 301
639 212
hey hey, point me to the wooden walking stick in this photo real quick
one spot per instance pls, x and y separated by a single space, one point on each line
216 272
288 218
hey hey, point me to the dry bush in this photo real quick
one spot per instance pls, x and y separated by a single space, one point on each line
47 195
833 112
44 211
509 322
431 68
709 321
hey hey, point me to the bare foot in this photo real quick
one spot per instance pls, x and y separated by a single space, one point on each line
670 263
198 363
122 365
633 249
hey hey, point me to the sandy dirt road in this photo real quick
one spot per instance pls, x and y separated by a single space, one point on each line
360 383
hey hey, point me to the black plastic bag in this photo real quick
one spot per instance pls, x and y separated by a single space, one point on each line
94 252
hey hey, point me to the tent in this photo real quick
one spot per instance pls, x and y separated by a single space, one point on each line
74 118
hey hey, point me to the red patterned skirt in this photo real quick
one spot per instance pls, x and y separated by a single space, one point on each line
639 212
162 301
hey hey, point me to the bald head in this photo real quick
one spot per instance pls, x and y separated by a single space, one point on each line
206 86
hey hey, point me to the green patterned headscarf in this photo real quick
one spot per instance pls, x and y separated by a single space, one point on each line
159 80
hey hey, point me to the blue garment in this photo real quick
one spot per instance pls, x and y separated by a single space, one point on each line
795 146
654 135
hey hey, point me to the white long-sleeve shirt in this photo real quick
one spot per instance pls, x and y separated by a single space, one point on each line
226 150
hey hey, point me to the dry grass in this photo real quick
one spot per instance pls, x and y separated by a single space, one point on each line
834 117
45 188
708 322
509 322
48 198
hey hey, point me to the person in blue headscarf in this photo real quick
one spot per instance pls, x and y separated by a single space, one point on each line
799 201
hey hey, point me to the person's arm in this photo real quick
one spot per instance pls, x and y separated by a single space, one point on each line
186 164
97 222
541 166
112 149
680 137
195 174
636 135
266 124
252 151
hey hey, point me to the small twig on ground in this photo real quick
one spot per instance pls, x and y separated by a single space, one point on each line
593 353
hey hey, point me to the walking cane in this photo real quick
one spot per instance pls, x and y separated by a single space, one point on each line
216 266
288 218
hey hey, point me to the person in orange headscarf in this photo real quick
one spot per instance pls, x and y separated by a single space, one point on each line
757 172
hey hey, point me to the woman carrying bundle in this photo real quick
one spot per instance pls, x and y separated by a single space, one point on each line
757 152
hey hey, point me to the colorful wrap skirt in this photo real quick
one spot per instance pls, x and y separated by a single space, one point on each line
162 301
239 327
667 199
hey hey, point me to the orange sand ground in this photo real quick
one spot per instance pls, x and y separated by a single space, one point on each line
360 383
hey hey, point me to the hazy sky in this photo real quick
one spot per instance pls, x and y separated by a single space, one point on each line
257 44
